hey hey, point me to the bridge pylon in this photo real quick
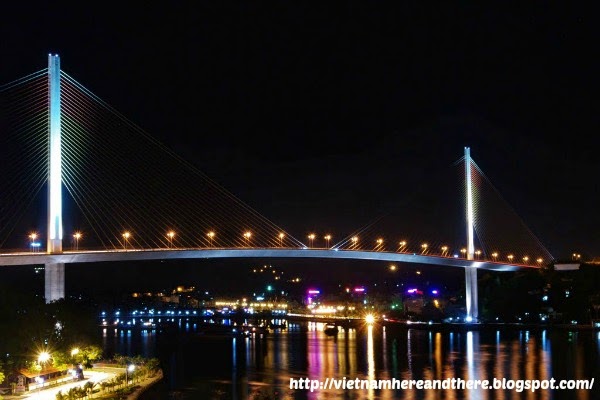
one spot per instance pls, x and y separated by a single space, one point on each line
54 273
471 290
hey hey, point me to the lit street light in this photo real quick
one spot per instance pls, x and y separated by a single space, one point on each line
354 242
495 255
444 251
424 246
171 235
128 370
210 235
281 236
327 239
43 357
33 236
379 245
126 236
76 237
402 246
311 238
247 235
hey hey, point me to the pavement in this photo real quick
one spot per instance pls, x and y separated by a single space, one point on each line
50 392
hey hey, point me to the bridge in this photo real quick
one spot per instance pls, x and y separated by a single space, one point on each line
59 135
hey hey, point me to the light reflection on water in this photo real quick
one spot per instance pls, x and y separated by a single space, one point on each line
240 367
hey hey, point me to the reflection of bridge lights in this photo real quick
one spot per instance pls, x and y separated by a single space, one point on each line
392 267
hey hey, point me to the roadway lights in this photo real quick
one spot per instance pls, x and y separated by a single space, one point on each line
247 236
327 239
463 252
525 259
424 246
311 238
444 250
540 260
32 237
477 253
402 245
171 235
76 237
126 236
495 255
510 257
281 236
210 235
354 242
379 245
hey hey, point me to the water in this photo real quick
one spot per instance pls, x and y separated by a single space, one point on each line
222 367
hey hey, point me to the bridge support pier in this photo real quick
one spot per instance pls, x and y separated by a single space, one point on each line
54 276
471 294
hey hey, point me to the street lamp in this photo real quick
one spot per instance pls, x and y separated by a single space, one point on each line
379 245
463 252
444 250
33 236
424 246
210 235
171 235
130 368
76 237
126 236
354 242
539 261
525 259
311 237
477 253
510 257
402 245
327 239
247 235
43 357
281 236
495 255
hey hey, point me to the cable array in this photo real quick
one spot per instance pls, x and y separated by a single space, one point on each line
135 192
24 152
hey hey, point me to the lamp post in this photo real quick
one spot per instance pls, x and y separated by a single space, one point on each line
402 246
43 357
444 251
495 256
354 242
171 235
281 236
32 237
424 246
247 235
327 239
130 368
126 236
311 238
379 245
76 237
210 235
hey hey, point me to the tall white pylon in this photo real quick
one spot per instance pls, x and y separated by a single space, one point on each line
470 270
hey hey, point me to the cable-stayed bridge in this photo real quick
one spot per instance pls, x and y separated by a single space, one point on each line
112 192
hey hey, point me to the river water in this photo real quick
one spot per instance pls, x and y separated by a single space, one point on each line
260 366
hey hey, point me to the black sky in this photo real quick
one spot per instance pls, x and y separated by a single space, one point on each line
292 105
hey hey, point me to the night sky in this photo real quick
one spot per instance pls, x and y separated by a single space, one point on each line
292 105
